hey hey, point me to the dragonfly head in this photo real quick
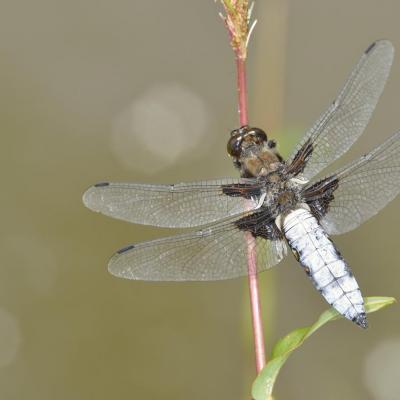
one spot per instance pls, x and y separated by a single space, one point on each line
243 138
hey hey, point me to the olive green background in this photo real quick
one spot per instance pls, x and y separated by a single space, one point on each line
145 91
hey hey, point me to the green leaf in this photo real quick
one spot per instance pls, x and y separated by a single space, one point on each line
264 383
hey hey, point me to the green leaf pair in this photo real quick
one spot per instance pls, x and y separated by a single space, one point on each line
264 383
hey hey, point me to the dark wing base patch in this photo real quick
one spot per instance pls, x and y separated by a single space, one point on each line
300 159
320 195
260 225
241 190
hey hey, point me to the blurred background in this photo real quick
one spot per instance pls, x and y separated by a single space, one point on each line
127 90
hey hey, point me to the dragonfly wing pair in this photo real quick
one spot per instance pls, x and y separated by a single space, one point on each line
218 251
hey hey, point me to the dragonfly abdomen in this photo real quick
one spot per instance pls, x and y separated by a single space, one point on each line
323 263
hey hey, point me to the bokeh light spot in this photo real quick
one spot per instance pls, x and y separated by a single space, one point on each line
167 121
381 372
10 338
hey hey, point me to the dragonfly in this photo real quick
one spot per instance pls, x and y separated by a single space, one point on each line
276 204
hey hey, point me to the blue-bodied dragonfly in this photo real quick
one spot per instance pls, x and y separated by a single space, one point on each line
279 203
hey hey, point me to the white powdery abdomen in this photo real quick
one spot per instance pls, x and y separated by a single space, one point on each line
324 265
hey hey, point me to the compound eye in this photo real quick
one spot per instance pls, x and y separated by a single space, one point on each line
259 134
235 132
234 146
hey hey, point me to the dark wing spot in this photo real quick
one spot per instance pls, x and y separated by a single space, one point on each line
300 159
370 47
102 184
320 195
125 249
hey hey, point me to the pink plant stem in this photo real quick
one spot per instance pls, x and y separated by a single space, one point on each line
255 303
242 90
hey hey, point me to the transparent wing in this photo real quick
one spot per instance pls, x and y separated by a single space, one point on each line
344 121
363 187
174 206
215 253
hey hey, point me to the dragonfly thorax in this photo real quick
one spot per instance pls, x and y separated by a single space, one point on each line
282 195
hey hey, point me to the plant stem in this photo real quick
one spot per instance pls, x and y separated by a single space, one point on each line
255 303
242 90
